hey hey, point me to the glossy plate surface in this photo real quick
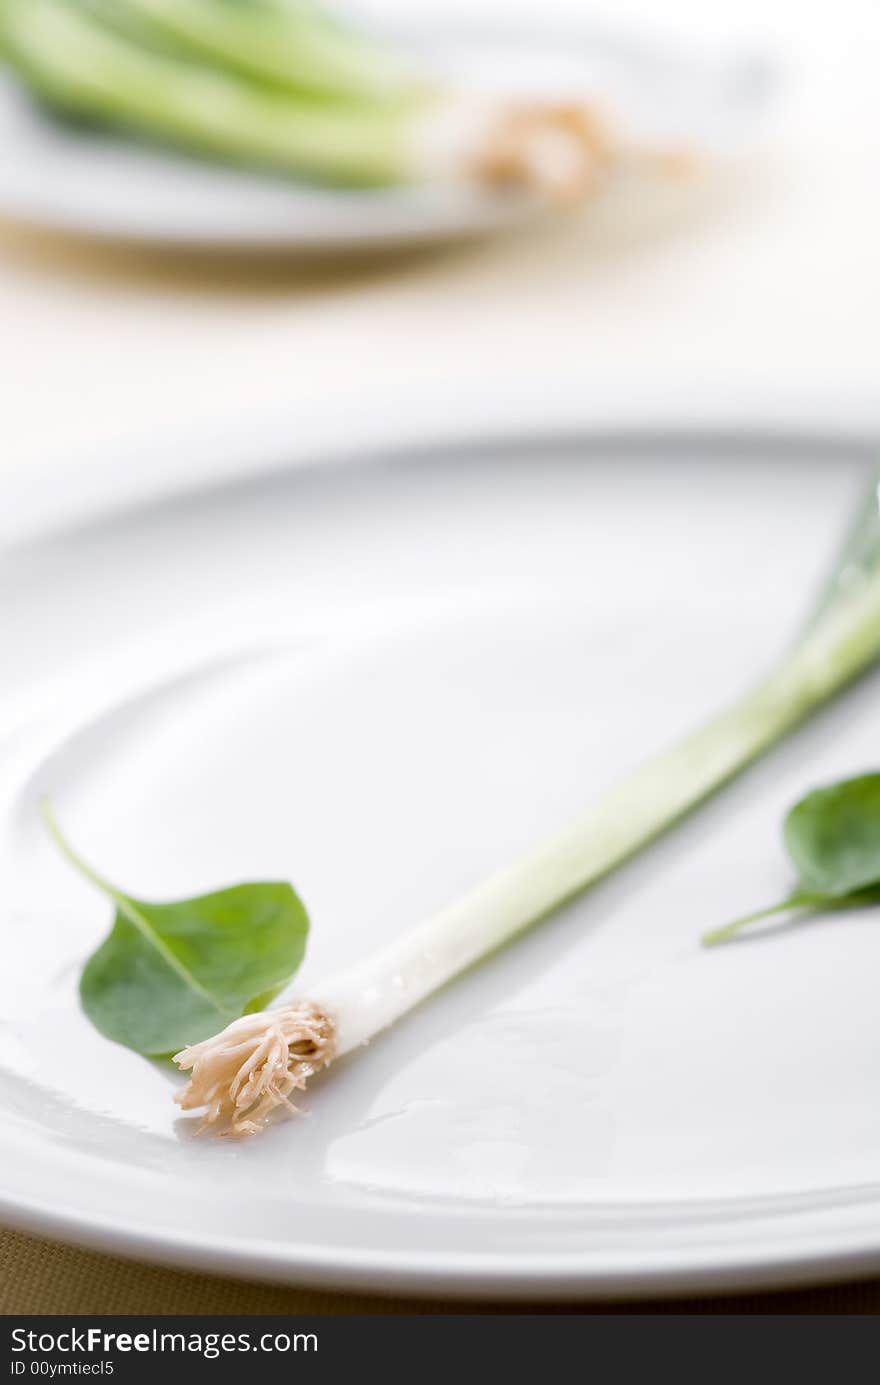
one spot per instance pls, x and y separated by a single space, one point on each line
382 681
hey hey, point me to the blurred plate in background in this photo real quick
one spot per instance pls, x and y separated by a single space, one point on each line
66 178
63 178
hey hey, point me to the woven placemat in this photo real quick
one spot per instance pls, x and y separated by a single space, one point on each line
38 1276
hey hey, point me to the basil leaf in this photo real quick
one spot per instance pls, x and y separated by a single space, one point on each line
833 837
171 974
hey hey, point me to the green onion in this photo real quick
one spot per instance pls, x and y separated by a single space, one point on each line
276 84
292 45
88 68
236 1073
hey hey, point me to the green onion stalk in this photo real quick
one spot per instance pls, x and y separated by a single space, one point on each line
255 1065
281 85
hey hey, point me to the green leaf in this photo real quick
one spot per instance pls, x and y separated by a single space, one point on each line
833 837
785 906
171 974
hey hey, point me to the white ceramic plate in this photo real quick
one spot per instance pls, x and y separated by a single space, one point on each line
382 682
67 179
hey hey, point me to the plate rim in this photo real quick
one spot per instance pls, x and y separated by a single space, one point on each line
62 490
413 1274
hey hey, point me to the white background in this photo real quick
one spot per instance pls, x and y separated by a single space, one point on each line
760 281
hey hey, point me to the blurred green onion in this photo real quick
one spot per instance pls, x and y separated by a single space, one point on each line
280 84
106 60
